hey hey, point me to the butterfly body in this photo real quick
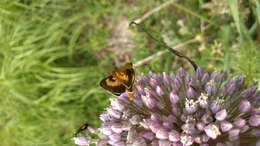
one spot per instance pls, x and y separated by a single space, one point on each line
121 80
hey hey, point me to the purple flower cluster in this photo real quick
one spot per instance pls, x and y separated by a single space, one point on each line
182 110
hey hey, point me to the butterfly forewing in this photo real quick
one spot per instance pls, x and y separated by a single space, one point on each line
113 85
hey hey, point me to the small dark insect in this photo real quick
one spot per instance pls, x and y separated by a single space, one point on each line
82 128
121 80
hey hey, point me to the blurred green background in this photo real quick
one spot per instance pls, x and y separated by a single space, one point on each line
53 53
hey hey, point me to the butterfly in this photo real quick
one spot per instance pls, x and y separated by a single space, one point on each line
120 81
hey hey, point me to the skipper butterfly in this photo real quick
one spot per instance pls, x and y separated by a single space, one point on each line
120 81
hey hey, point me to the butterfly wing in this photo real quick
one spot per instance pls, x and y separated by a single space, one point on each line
113 85
126 75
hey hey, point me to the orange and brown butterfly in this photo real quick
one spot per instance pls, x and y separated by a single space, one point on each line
120 81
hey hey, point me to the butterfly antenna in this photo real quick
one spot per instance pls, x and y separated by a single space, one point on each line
174 51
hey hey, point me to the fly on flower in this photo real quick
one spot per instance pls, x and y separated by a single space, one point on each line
82 128
121 80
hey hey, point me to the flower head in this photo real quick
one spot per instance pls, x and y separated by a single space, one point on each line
182 110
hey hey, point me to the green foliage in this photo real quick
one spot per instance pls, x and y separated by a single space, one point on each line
50 72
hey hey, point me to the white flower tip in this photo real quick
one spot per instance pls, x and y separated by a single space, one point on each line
212 131
225 126
221 115
162 134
